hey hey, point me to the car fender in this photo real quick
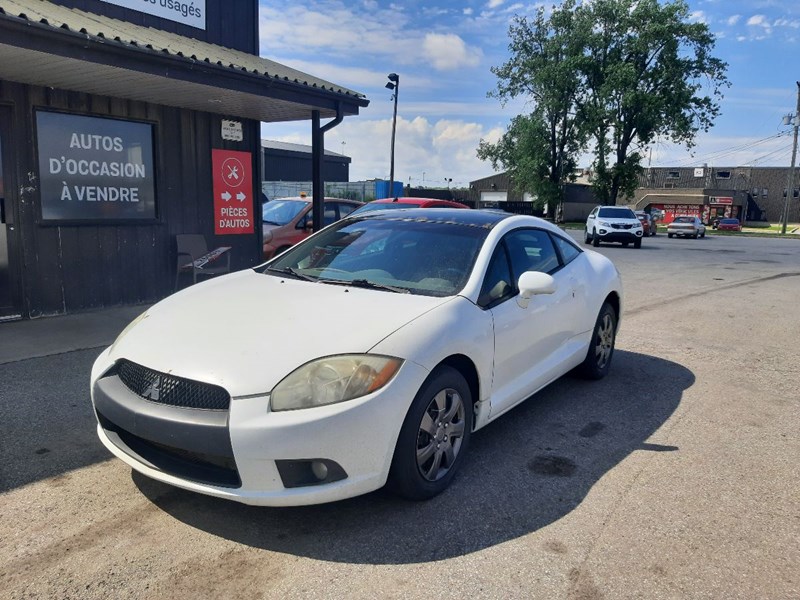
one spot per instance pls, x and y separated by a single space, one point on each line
458 327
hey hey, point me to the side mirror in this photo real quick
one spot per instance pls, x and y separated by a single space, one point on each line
534 283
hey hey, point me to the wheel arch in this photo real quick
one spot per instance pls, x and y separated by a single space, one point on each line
613 299
466 367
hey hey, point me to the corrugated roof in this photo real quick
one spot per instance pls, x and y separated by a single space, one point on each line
128 34
48 45
288 146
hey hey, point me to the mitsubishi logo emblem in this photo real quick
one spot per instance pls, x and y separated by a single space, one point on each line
152 391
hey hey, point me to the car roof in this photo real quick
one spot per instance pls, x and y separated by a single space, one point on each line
413 200
474 218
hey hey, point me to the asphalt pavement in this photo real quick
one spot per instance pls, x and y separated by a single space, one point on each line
675 477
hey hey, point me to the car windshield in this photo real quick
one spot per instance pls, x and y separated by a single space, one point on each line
370 206
388 253
281 212
730 221
616 213
684 220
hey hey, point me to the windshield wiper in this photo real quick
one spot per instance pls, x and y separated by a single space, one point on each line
272 222
291 272
366 283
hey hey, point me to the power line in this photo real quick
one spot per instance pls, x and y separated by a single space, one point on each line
716 156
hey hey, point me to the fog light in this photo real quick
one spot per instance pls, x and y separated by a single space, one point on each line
306 472
319 469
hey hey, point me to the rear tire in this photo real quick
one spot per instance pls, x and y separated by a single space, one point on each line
601 348
702 235
434 437
669 235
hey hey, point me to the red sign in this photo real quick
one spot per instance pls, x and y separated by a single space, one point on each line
720 200
233 191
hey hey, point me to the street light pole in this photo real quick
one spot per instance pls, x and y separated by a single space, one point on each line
393 84
790 184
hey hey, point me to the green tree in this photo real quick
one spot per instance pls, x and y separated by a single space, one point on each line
648 67
540 150
613 73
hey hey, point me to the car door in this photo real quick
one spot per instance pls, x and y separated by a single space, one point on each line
528 337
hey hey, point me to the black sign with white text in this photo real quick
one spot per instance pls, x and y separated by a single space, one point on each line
93 168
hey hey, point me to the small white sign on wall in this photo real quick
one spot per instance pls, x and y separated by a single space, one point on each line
188 12
698 172
232 130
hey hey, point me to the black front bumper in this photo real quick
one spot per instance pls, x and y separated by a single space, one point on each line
189 443
618 235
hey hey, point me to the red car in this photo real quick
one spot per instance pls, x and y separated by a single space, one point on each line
729 225
287 221
390 203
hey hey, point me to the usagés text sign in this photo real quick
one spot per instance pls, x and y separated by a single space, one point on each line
188 12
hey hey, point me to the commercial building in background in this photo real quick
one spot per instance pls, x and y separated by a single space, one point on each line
751 194
124 123
282 161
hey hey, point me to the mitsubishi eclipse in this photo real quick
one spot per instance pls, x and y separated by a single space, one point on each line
401 333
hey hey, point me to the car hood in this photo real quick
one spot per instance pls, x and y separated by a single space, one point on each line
247 331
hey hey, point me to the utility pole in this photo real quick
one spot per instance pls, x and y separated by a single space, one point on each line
394 85
790 183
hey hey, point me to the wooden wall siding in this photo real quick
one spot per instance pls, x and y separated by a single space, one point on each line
229 23
68 268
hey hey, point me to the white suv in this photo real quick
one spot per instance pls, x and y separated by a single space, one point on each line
613 224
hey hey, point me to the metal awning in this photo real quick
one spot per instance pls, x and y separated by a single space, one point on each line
49 45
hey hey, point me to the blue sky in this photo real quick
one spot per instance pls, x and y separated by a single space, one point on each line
443 52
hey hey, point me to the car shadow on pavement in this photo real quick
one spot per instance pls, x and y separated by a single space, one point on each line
524 471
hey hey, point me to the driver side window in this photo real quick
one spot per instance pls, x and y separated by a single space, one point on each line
497 284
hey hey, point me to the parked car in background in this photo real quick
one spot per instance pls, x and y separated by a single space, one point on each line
454 317
390 203
287 221
728 225
648 223
686 227
613 224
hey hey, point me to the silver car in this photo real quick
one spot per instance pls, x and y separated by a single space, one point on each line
686 227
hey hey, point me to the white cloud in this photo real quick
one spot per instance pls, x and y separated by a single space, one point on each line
698 16
467 11
758 21
447 51
443 148
382 34
733 19
494 3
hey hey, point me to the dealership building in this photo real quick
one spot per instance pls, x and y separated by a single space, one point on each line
124 123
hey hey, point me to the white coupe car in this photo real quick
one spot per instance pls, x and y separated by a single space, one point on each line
365 355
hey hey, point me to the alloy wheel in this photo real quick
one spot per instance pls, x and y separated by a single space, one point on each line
605 341
441 433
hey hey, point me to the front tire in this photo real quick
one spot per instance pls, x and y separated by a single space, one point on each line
587 239
669 235
595 239
637 243
601 349
434 436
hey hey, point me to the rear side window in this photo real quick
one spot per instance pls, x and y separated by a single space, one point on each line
567 250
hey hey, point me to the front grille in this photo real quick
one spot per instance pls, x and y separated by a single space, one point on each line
169 389
621 225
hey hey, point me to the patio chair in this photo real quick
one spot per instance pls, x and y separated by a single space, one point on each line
191 248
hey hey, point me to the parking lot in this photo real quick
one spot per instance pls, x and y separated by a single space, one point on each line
678 476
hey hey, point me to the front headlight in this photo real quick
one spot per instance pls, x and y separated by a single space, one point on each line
604 224
333 379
